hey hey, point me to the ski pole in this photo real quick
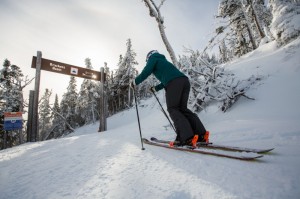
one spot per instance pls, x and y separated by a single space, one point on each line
163 110
138 117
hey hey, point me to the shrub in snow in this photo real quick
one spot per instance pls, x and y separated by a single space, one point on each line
286 20
212 83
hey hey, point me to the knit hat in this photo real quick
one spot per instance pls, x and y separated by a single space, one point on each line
150 53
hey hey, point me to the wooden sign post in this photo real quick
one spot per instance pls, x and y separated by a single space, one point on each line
39 64
103 124
35 112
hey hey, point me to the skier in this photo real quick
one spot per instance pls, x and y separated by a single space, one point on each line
189 128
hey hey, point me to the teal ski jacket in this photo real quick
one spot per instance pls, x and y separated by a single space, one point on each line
162 69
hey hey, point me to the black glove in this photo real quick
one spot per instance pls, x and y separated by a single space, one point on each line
152 89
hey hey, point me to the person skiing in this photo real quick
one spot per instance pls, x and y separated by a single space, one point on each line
189 128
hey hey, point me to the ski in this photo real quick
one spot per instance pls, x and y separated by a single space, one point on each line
221 147
238 156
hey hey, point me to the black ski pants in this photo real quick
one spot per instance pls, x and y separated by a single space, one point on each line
187 123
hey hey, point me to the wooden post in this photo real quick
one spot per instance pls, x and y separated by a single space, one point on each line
103 123
20 131
5 140
30 136
35 114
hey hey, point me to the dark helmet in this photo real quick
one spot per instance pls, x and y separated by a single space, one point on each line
150 53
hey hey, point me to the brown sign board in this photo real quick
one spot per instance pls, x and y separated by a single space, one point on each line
67 69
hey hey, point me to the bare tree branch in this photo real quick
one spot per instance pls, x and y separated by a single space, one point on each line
65 120
154 11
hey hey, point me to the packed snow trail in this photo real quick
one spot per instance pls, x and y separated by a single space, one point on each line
96 167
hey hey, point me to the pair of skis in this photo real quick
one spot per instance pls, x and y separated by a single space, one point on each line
240 153
203 148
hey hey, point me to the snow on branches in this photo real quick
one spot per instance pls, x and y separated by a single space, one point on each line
212 83
286 20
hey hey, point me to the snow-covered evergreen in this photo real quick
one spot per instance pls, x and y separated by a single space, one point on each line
45 115
57 123
68 106
261 18
240 26
120 93
88 98
10 87
286 20
11 100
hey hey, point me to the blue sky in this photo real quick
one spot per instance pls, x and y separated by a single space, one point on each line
71 30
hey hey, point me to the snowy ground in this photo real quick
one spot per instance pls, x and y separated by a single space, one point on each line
88 164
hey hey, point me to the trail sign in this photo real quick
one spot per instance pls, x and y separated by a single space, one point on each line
67 69
13 121
39 64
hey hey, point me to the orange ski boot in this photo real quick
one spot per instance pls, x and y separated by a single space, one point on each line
193 141
206 137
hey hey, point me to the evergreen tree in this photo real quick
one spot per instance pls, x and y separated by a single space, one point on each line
285 24
115 92
11 99
126 71
240 25
68 106
223 50
45 115
57 121
10 85
260 17
244 26
110 93
88 99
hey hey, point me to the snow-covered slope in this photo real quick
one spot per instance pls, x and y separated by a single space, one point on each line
111 164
